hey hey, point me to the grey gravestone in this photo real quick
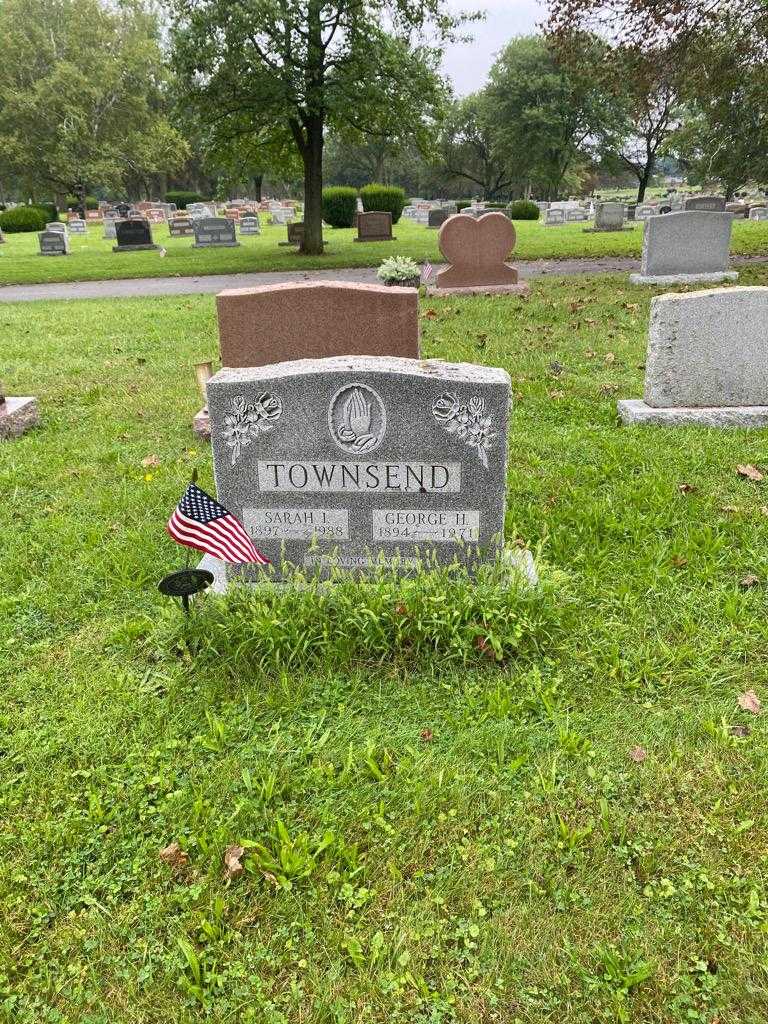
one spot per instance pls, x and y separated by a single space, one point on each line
572 215
2 237
707 360
374 226
355 461
133 236
554 217
712 204
110 232
436 218
180 227
686 247
214 231
54 243
57 225
609 217
295 233
758 213
77 227
643 211
250 225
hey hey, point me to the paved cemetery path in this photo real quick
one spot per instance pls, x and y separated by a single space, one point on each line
212 283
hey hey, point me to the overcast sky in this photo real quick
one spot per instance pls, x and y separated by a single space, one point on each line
468 64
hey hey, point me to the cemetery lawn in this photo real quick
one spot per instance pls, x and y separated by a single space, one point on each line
576 832
92 258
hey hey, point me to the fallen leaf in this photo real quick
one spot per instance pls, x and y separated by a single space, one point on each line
426 735
750 580
150 461
401 609
686 488
431 314
609 358
750 472
679 562
729 508
632 306
589 354
556 368
555 394
739 730
749 701
638 755
233 866
764 509
174 856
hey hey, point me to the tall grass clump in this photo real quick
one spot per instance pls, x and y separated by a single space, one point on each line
443 616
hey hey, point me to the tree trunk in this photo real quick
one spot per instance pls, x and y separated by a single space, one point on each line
644 178
312 157
257 182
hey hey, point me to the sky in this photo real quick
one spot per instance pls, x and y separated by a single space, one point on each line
467 64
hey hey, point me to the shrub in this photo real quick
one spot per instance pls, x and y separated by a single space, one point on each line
50 210
386 198
339 206
23 218
182 198
523 209
72 202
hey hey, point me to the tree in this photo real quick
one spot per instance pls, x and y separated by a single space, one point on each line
548 116
648 84
468 146
305 67
81 96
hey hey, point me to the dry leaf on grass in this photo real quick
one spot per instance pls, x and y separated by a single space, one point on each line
739 730
749 701
151 461
679 562
173 855
638 755
750 580
609 358
750 472
686 488
426 735
233 865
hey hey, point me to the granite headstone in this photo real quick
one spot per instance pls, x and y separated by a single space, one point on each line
133 235
213 232
712 204
374 226
54 243
356 462
686 247
707 360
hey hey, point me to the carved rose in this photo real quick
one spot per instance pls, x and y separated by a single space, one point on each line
468 422
244 424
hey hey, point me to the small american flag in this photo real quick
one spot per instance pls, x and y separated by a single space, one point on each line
426 272
201 522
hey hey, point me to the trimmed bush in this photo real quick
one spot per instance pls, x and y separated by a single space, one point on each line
339 206
50 210
181 198
385 198
523 209
23 218
71 202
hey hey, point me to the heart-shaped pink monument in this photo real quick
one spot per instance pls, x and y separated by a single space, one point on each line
476 250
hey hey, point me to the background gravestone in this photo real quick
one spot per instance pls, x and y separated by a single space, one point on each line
213 232
355 462
280 322
707 360
476 251
554 217
374 226
77 227
758 213
609 217
713 204
54 243
686 247
133 236
295 231
250 225
180 227
436 218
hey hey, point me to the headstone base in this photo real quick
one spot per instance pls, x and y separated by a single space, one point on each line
716 278
133 248
377 238
201 425
215 245
517 561
635 412
17 415
603 231
481 289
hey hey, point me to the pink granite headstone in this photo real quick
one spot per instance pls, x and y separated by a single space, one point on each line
476 250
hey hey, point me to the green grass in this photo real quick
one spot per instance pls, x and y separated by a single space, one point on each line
92 258
428 838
